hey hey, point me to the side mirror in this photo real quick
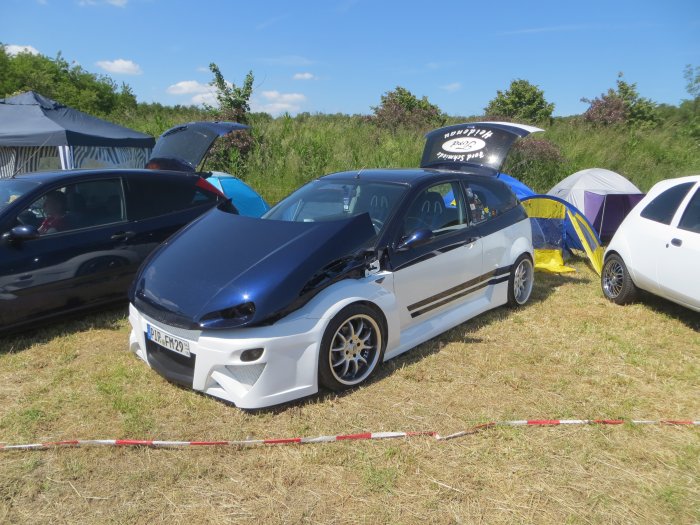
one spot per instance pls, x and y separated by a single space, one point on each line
23 232
415 239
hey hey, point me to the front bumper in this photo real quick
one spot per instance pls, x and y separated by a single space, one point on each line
286 370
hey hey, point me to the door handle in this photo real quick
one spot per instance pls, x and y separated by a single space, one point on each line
676 242
122 236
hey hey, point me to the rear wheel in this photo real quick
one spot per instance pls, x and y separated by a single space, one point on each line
521 281
351 348
616 282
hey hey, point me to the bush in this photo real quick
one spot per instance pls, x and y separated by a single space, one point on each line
523 102
621 106
402 109
536 162
229 153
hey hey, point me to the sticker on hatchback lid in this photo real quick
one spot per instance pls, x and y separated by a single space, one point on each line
167 341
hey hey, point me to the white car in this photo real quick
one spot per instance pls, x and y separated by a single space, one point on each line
348 271
657 247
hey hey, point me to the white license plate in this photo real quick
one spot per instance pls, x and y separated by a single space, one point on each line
168 341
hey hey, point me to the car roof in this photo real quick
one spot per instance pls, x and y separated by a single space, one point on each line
68 176
665 184
410 176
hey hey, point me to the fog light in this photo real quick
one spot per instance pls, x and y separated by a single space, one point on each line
251 355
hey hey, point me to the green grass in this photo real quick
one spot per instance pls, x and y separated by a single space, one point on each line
289 151
568 354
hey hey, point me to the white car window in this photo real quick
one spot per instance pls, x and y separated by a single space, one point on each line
664 206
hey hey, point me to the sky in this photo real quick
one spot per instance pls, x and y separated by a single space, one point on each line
341 56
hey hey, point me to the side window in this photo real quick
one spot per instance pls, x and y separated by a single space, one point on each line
156 195
77 206
664 206
439 208
691 216
488 199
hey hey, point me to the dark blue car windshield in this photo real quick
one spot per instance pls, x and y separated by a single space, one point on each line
12 189
332 200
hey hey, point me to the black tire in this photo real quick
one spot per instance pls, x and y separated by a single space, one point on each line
616 282
351 348
521 281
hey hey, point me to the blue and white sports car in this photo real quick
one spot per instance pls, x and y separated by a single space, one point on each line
350 270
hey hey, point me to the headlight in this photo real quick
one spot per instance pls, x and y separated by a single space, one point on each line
229 317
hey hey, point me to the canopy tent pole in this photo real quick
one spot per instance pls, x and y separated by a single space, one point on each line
66 155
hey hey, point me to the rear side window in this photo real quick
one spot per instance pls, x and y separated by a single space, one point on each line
691 216
664 206
489 199
157 195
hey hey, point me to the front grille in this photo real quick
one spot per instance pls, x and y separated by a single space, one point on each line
171 365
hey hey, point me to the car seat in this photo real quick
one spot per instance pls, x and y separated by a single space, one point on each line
426 212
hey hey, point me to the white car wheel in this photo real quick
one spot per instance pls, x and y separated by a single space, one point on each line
521 281
616 282
351 348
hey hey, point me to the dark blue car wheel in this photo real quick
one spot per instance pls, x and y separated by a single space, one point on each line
351 348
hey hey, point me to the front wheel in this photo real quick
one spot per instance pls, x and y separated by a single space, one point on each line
521 281
616 282
351 348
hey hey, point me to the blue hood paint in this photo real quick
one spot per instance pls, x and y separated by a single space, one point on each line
223 260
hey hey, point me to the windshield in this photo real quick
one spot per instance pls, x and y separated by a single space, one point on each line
332 200
12 189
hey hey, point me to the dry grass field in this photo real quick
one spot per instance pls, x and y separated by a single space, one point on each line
568 354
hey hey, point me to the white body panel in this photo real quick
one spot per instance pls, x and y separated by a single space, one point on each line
654 261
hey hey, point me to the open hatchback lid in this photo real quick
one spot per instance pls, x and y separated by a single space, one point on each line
189 143
472 144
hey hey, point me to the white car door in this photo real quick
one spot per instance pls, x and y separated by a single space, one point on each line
679 259
650 236
444 268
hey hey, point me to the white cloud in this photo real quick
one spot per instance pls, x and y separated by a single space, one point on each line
120 66
12 49
276 103
187 87
205 98
304 76
201 93
452 87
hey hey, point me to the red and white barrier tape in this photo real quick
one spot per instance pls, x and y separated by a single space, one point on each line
341 437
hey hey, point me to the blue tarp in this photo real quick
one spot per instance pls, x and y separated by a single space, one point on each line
521 190
244 198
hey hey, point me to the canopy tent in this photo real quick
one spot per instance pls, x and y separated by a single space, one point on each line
604 196
558 229
39 133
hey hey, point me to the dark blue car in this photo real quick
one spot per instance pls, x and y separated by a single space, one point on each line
73 240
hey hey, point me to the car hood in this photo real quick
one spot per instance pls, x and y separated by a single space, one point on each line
480 144
189 143
210 273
